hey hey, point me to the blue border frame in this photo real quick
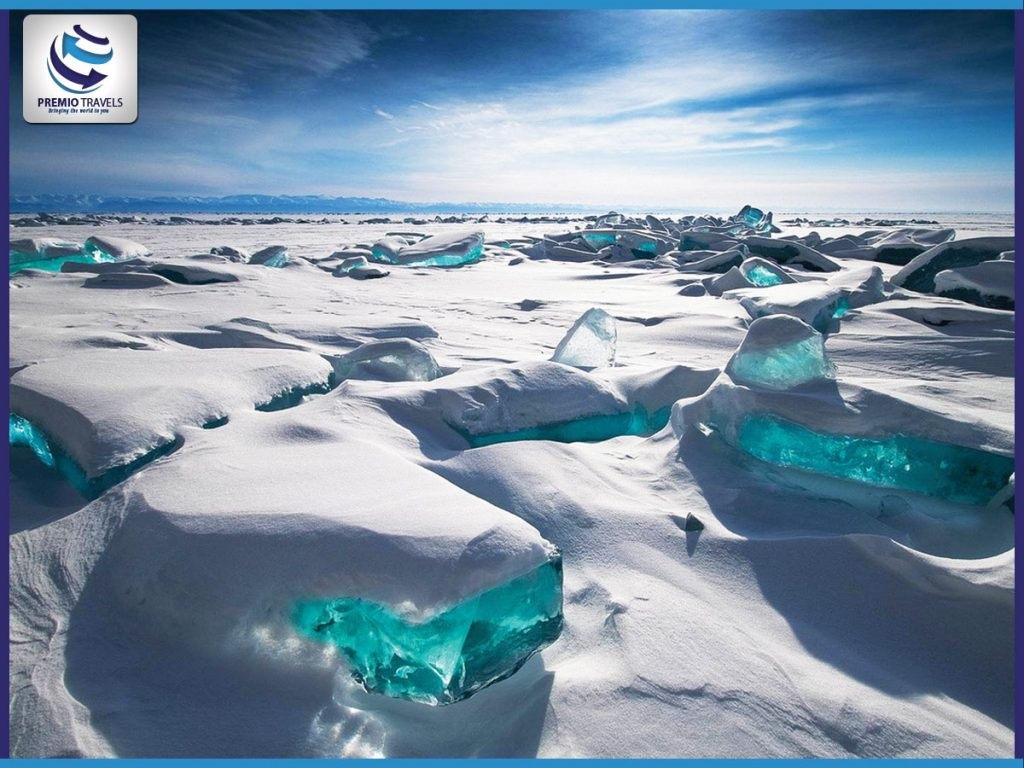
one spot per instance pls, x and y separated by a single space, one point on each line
530 762
1018 110
139 5
814 762
112 5
450 5
5 195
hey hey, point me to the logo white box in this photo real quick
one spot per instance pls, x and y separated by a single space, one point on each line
81 68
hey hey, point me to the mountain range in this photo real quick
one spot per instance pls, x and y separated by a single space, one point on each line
296 204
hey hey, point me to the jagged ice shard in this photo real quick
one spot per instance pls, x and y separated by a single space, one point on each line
21 431
452 654
780 352
949 472
590 343
750 216
754 218
275 256
763 273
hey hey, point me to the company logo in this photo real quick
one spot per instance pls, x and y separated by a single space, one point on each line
74 58
80 68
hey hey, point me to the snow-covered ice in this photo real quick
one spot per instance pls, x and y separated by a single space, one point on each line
396 360
116 248
919 274
447 250
106 409
734 484
359 268
987 284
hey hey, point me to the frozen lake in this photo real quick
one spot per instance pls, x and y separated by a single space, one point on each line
801 546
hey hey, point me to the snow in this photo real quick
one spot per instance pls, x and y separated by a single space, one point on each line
231 252
860 286
118 248
891 246
194 274
815 303
426 449
790 252
722 261
728 281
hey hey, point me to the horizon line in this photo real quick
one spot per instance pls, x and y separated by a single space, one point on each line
446 206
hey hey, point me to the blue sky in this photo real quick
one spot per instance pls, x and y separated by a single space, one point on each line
681 109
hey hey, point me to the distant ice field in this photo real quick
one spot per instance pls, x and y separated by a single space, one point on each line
315 239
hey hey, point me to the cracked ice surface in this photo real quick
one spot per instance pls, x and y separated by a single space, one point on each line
163 618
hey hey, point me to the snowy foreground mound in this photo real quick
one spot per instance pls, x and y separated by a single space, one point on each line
648 487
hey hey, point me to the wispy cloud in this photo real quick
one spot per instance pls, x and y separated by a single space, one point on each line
236 50
643 106
648 110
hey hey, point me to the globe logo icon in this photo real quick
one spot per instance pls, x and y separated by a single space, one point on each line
74 58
